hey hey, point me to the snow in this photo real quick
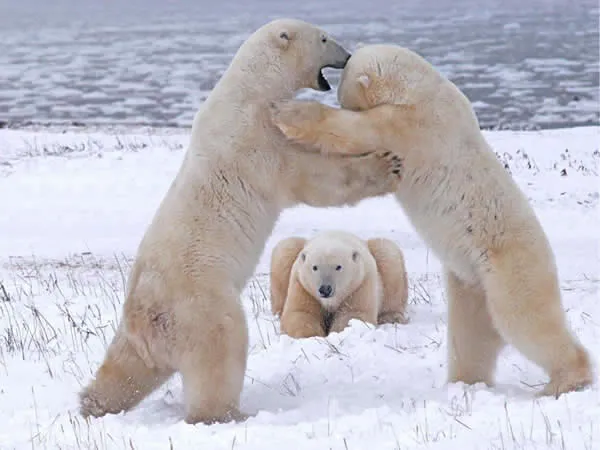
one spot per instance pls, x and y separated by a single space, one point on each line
73 207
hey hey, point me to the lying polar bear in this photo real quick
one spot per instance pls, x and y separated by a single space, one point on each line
501 277
182 311
318 285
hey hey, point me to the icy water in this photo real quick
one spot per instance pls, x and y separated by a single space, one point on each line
524 64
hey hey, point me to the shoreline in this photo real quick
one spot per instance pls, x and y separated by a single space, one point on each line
181 129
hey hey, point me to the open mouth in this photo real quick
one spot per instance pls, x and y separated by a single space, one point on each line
322 81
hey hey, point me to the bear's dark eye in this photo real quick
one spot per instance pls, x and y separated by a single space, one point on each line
338 268
315 268
323 39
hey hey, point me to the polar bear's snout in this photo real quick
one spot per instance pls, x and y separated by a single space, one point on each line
336 57
341 57
325 290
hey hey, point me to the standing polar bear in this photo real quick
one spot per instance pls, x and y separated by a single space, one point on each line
182 311
500 272
319 285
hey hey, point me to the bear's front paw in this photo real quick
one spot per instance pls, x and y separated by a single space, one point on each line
296 119
394 163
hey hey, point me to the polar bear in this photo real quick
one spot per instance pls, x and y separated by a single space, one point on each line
500 273
182 311
318 285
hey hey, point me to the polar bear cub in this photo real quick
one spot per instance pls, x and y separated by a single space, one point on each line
500 272
182 311
319 285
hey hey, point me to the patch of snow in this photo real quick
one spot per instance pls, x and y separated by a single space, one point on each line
74 206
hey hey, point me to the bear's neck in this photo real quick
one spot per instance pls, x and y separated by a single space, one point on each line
255 79
251 91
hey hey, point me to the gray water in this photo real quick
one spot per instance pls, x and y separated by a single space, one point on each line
523 64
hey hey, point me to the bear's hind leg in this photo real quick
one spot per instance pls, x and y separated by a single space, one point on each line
282 259
473 342
392 269
524 300
122 381
213 366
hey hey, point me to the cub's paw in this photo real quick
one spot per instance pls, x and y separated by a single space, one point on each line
232 415
392 317
296 119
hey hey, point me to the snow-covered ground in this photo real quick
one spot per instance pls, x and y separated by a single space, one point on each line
73 207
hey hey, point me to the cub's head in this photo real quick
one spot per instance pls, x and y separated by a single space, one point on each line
330 271
385 74
298 52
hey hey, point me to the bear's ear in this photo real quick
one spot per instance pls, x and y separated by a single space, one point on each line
364 80
354 255
302 256
282 38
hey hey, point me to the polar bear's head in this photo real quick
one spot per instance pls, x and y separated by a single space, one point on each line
292 52
330 270
386 74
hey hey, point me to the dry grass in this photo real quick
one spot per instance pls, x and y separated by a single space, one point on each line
61 314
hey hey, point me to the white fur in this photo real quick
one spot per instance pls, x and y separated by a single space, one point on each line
182 312
368 281
500 272
325 251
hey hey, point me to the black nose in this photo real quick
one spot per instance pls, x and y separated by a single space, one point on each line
325 290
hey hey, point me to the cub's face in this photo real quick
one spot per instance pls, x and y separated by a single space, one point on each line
304 51
372 77
331 274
